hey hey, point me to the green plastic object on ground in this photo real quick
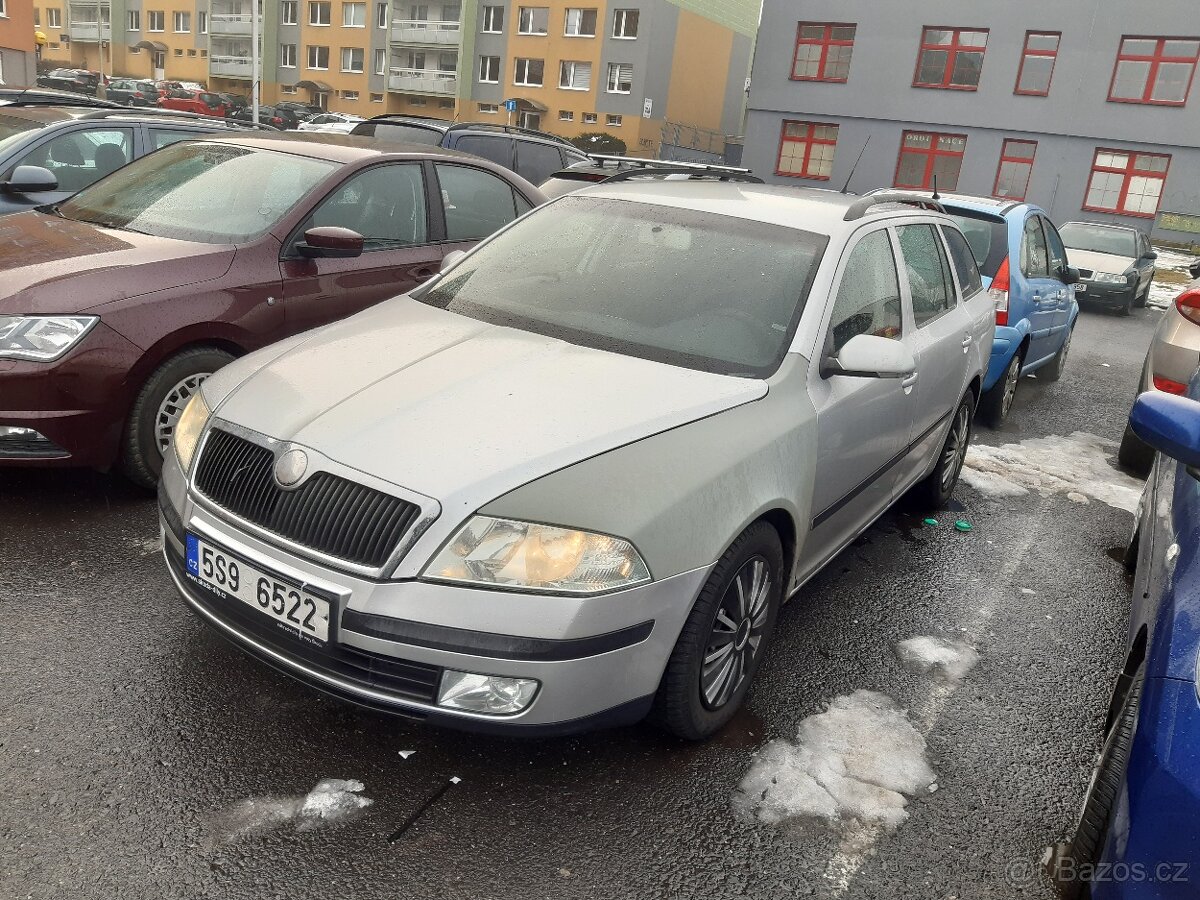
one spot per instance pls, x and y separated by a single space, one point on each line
963 525
930 522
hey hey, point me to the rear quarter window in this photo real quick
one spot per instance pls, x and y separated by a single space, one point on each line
986 235
963 261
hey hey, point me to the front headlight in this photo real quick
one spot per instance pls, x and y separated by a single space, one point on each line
526 556
1109 278
188 429
42 338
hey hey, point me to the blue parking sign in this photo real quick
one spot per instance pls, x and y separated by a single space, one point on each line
510 105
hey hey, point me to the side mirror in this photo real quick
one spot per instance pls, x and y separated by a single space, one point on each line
1068 275
1194 268
31 180
1150 254
869 356
330 242
450 260
1170 424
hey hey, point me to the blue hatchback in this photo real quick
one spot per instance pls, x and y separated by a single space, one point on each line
1139 833
1024 266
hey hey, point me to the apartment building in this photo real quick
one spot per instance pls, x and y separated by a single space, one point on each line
18 56
1083 107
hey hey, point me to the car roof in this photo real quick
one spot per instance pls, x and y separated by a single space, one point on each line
340 148
1102 225
430 122
807 209
58 115
1000 206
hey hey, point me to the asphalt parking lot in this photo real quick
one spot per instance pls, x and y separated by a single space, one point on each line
141 756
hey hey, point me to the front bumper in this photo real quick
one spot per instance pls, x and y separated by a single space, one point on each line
78 403
1104 293
598 660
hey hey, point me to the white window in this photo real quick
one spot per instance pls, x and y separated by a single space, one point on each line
350 95
530 120
575 76
287 56
493 20
589 118
202 23
580 23
620 78
445 104
489 109
156 20
377 98
417 101
318 57
54 18
318 12
612 121
178 52
354 15
183 22
287 89
381 18
352 59
625 24
380 62
134 20
528 73
565 115
288 14
489 69
533 20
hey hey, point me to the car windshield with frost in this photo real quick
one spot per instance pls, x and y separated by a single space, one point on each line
185 191
1099 239
679 286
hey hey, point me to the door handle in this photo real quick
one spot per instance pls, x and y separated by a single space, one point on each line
967 341
908 382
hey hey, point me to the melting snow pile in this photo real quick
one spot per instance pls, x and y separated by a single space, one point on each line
1076 465
1163 295
949 660
858 762
332 799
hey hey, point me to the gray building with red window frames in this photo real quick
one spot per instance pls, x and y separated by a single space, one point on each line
1087 108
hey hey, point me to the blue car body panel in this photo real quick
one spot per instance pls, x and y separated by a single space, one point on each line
1041 311
1153 845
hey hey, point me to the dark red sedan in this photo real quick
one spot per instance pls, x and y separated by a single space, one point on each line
116 304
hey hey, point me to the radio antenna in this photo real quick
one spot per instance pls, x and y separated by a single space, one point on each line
854 168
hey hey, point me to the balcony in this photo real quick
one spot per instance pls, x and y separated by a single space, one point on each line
423 81
426 32
89 32
230 66
230 23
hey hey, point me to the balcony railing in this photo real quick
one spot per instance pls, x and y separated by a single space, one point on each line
423 81
426 31
230 66
229 23
89 31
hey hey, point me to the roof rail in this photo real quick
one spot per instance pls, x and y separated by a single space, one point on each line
742 175
51 97
177 115
860 207
509 129
664 163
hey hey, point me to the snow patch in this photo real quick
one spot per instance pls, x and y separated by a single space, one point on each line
857 763
948 660
1162 296
1076 465
332 800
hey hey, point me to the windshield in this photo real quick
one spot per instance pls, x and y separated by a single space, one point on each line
12 127
184 191
1099 239
987 236
688 288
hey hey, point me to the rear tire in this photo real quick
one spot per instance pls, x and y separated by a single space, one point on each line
1054 371
996 404
159 405
935 491
705 683
1135 454
1141 299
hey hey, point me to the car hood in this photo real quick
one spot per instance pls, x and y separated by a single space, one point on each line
461 410
54 266
1100 262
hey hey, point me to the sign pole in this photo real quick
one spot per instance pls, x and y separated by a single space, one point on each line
254 60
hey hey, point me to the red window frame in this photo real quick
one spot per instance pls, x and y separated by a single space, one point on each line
1129 172
952 50
808 140
824 42
1156 59
1028 52
931 155
1007 157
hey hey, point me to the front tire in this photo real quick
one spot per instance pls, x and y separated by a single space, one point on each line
158 407
937 488
996 404
724 639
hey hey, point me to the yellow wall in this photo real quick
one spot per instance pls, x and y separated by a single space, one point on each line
699 71
336 36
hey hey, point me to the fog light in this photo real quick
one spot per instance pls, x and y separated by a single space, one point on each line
20 442
493 695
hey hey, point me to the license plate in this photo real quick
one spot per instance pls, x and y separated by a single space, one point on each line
231 577
1081 288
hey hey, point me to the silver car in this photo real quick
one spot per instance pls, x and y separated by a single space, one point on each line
569 481
1171 362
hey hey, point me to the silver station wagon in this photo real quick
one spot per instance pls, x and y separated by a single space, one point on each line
569 481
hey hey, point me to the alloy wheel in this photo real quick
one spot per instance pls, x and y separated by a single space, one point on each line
955 452
171 409
737 634
1011 377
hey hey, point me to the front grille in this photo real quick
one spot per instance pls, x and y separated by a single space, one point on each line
327 513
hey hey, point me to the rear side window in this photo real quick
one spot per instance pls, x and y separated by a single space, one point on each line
392 131
164 137
477 203
385 204
498 149
928 272
987 237
963 261
1054 246
868 299
537 162
1035 261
